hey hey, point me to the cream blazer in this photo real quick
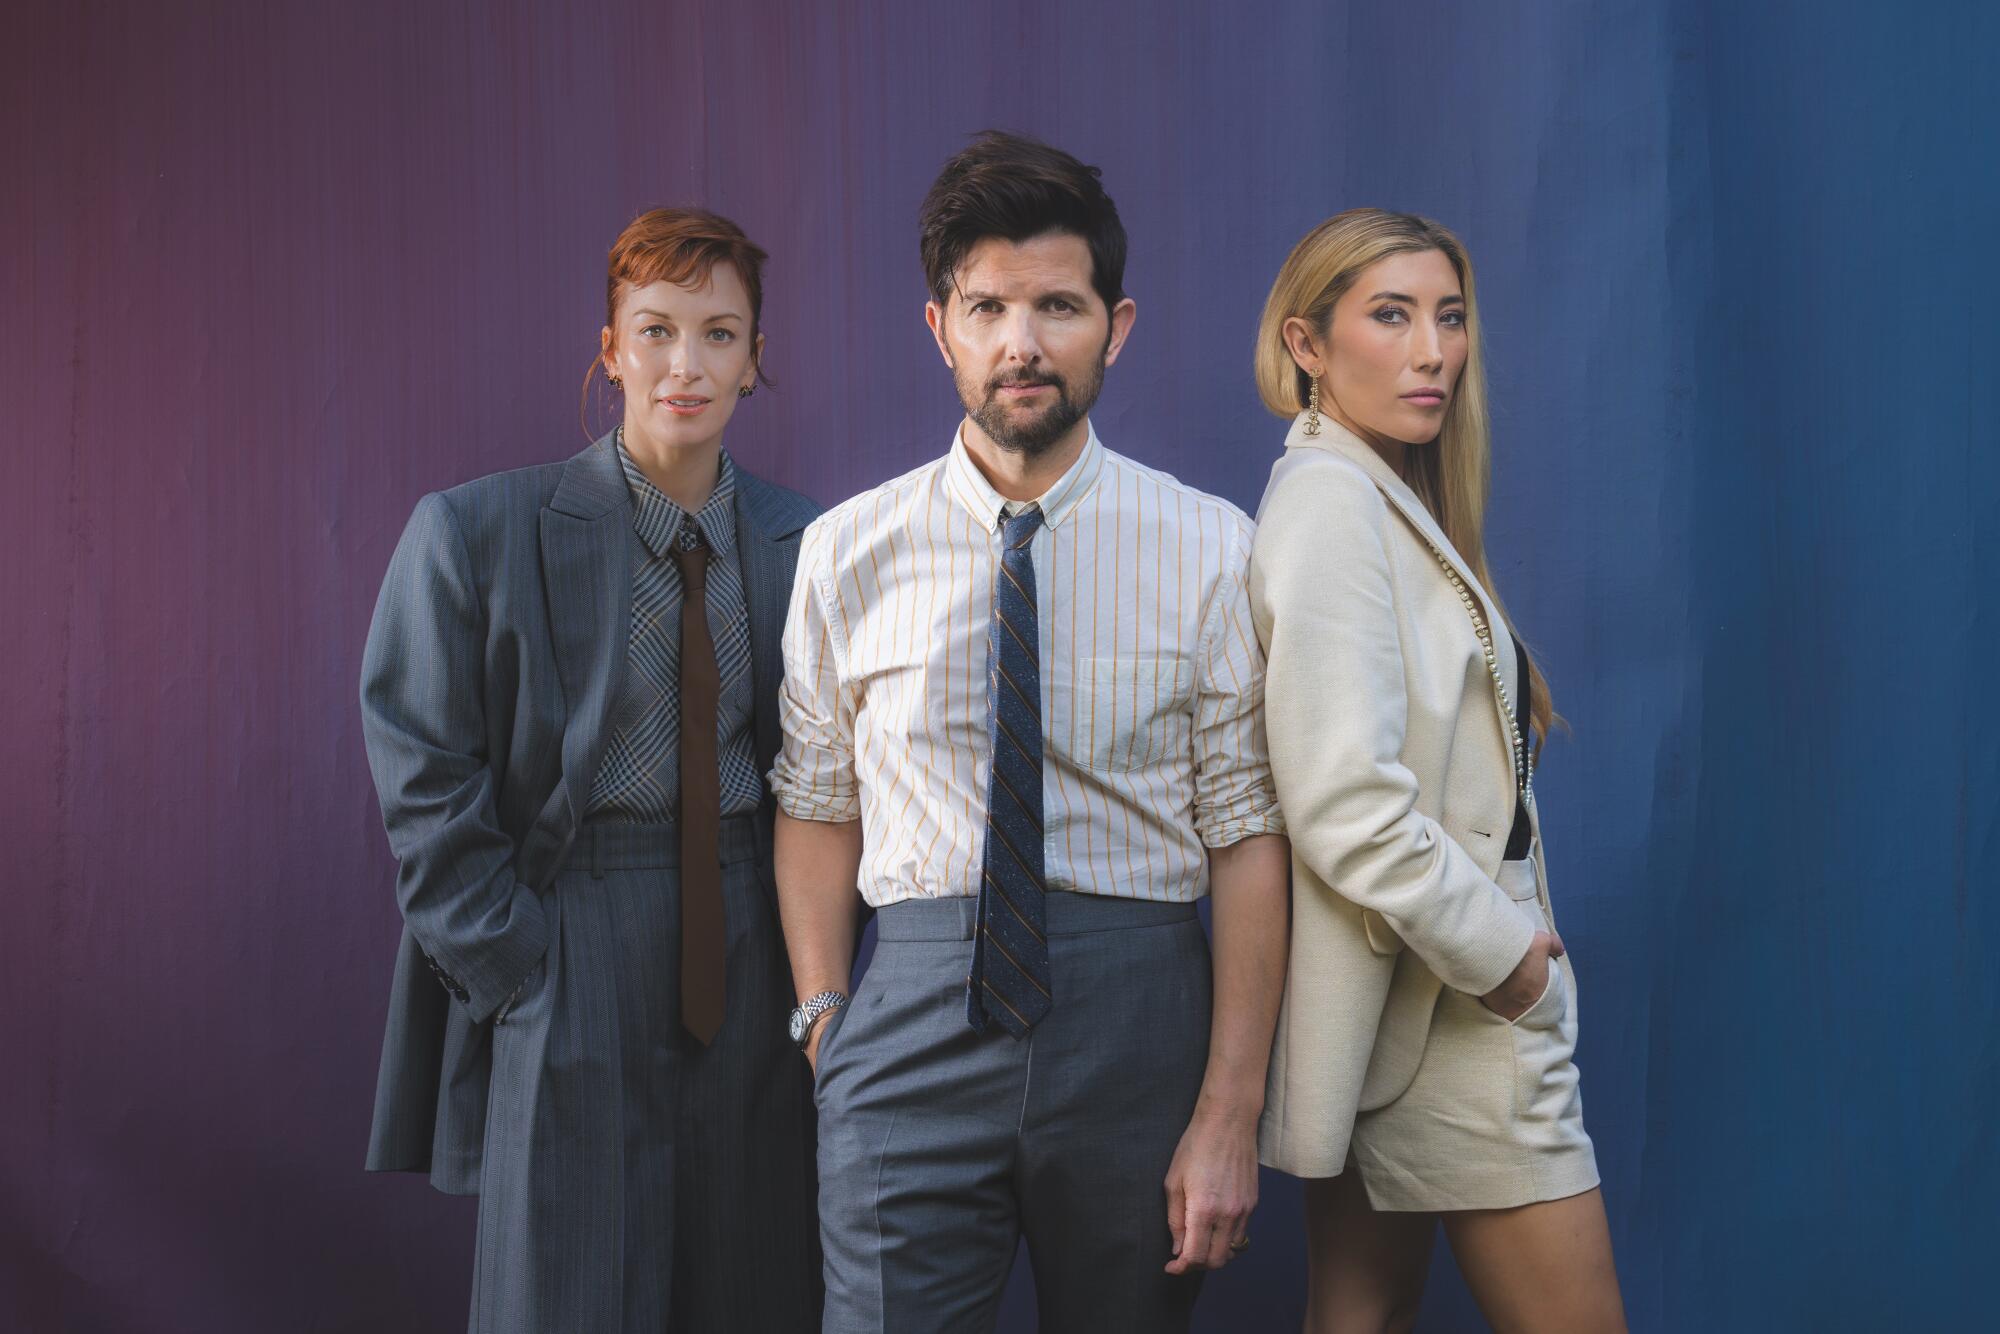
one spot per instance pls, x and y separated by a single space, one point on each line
1393 768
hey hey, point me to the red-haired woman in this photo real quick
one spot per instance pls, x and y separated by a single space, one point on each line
569 697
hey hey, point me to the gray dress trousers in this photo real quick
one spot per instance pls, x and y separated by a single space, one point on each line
941 1149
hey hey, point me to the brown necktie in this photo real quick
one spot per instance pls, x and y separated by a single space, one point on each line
704 939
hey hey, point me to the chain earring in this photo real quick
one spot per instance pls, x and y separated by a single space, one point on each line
1312 407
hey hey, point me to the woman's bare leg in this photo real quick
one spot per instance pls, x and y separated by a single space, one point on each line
1365 1270
1542 1267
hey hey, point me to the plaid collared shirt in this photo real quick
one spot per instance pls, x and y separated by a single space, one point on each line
639 777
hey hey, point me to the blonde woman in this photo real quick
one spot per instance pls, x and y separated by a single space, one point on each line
1423 1065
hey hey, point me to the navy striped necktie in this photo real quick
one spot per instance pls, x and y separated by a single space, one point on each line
1009 984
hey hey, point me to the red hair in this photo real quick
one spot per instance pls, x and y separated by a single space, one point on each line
680 246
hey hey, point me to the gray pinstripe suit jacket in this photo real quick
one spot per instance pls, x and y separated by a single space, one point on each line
496 653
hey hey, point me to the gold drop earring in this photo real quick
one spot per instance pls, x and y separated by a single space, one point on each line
1312 407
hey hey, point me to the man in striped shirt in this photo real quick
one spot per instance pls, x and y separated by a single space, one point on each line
1023 716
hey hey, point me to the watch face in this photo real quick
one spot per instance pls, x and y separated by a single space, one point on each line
798 1025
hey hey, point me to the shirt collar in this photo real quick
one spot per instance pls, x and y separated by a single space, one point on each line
656 518
972 490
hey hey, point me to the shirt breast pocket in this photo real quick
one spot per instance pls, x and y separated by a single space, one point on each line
1123 715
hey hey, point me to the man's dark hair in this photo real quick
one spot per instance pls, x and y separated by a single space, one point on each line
1011 187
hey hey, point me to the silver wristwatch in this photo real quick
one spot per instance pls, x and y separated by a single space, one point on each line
809 1014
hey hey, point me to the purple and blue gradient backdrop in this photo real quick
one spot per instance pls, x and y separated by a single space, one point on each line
274 270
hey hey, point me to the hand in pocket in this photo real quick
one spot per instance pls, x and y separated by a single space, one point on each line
1529 981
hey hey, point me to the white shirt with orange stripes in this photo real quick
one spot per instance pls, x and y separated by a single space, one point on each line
1152 679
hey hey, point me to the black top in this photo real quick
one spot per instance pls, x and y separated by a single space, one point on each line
1520 838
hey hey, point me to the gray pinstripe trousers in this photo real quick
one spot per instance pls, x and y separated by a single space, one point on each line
633 1180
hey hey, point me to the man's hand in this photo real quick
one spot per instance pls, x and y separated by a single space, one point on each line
1212 1184
1530 978
1211 1189
812 1039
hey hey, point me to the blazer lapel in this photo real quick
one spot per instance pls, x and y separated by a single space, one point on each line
1337 439
587 578
767 544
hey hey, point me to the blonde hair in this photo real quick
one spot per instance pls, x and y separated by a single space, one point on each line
1453 476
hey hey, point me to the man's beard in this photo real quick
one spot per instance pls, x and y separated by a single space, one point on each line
1034 434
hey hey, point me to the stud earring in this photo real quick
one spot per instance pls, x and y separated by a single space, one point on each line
616 383
1312 407
744 391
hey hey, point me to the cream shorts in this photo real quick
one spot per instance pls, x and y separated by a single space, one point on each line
1494 1117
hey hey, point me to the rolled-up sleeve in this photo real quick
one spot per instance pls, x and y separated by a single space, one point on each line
813 778
1234 795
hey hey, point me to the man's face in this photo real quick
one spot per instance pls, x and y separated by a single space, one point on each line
1027 338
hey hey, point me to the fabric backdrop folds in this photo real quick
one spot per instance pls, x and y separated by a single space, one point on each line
271 271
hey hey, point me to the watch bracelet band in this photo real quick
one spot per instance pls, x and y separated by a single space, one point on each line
817 1008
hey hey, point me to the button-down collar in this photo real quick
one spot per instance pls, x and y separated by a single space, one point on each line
971 489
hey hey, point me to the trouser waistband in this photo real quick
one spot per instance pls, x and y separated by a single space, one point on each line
1065 914
618 845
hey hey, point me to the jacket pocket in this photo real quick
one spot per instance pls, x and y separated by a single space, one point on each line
1517 880
1382 937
